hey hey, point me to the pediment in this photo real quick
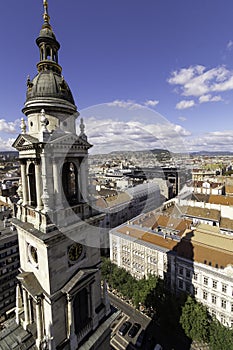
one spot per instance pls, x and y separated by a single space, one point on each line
30 283
70 140
25 141
81 276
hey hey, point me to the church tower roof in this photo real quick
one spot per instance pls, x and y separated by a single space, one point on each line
49 82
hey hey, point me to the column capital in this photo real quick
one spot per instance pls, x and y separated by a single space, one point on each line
37 161
22 161
38 299
70 298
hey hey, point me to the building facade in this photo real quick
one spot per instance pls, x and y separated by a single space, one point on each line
196 260
119 207
9 264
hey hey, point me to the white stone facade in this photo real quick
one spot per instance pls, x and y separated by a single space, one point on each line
211 285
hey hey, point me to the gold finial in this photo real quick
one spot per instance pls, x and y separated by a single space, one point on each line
46 15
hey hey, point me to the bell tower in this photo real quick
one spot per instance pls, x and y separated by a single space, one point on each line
59 291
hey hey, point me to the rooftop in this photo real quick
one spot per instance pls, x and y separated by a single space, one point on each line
14 337
213 199
205 244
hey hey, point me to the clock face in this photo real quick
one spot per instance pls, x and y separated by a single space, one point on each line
75 251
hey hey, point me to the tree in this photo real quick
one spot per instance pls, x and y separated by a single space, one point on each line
106 268
195 320
140 291
220 336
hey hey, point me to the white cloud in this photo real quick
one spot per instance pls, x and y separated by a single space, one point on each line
6 145
185 104
213 141
230 45
184 75
110 135
129 104
151 103
8 127
183 119
223 86
132 105
205 82
209 98
110 129
197 81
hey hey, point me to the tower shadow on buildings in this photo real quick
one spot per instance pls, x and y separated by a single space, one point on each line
171 294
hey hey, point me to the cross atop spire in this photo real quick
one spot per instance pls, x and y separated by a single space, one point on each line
46 15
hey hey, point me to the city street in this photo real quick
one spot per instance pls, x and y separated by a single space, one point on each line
128 314
153 331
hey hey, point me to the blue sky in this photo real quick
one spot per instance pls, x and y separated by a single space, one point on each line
122 57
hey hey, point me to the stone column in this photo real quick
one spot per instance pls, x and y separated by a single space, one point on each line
39 322
44 52
26 309
91 303
106 298
57 183
30 309
24 182
47 188
38 185
18 304
84 178
70 324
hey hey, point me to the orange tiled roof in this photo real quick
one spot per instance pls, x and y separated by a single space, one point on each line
205 213
131 231
229 189
206 244
226 223
223 200
153 220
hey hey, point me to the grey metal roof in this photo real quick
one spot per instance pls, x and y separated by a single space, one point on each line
49 84
14 337
146 188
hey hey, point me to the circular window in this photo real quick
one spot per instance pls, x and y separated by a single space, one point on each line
32 255
31 123
65 123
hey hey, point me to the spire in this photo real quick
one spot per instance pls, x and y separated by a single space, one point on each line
48 45
46 15
49 82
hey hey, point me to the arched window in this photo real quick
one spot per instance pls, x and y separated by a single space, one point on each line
41 54
81 310
70 182
48 53
32 184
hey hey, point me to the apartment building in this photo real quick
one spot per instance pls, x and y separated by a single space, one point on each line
9 264
195 259
122 206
